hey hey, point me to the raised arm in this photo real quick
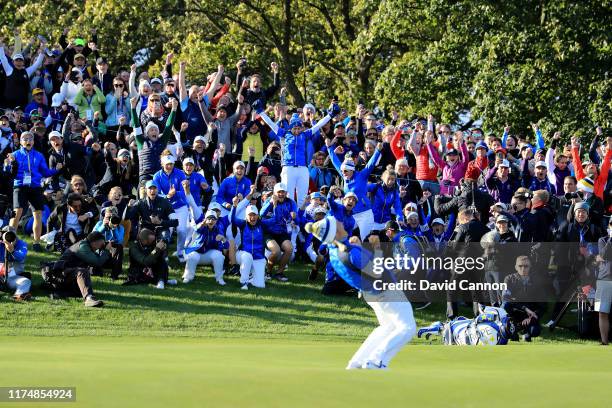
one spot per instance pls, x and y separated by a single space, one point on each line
215 82
132 81
181 80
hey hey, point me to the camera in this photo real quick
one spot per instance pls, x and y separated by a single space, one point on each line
243 62
115 220
163 234
9 237
576 194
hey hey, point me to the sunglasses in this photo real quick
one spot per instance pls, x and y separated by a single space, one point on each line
155 100
118 85
523 266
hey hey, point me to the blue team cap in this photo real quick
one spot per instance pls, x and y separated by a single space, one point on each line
481 145
150 184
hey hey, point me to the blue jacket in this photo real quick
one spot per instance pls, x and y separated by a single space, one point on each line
115 234
18 255
295 148
37 165
383 199
349 268
342 214
358 184
252 236
230 187
280 215
115 107
205 240
164 181
195 185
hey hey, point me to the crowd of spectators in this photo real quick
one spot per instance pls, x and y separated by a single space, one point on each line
99 160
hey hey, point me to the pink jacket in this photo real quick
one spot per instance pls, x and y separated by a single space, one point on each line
451 175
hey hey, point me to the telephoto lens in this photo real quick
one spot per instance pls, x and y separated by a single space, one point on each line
115 220
9 236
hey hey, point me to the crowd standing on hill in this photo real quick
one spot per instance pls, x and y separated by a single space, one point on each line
101 162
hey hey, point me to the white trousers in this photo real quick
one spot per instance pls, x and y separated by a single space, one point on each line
396 328
19 284
252 271
365 222
212 257
296 179
182 215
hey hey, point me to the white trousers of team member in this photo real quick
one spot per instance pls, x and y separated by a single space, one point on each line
212 257
182 215
297 180
396 328
365 222
252 271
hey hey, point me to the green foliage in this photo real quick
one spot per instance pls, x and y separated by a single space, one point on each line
504 62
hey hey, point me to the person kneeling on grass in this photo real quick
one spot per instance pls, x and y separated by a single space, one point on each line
206 249
283 211
13 253
250 255
110 226
78 259
148 261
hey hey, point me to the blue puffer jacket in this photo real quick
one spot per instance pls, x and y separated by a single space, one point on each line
358 184
295 148
230 187
252 236
342 214
280 215
195 185
383 199
205 240
35 162
164 181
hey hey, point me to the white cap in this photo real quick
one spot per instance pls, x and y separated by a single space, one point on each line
437 221
199 139
211 214
541 164
18 56
167 159
55 133
187 160
251 209
123 152
280 187
505 163
351 194
156 81
412 214
214 206
347 165
238 163
309 106
150 126
56 100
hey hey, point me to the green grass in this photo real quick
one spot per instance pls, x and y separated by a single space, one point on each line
156 372
204 345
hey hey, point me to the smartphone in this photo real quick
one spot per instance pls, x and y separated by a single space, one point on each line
41 38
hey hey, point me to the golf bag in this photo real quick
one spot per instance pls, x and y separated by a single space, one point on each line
492 327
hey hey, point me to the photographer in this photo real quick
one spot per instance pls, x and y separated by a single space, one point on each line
152 212
13 253
78 261
519 299
113 232
148 261
71 222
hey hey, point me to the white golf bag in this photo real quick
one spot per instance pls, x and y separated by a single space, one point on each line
492 327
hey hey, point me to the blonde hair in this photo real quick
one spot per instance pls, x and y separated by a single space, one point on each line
112 190
389 172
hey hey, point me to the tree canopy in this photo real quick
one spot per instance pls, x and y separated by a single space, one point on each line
503 62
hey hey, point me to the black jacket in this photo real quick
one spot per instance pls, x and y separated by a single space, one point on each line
144 209
468 195
545 223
